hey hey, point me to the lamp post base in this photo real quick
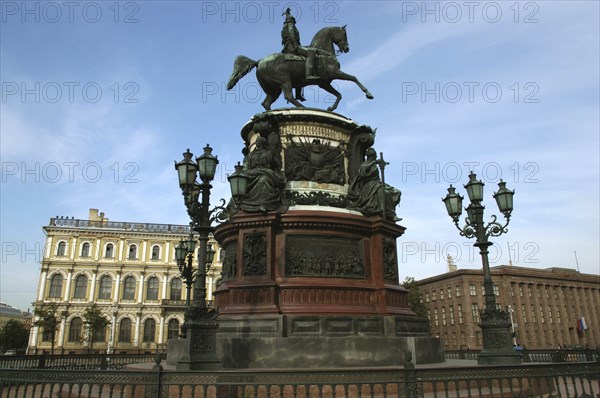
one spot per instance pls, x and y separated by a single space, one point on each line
497 339
200 346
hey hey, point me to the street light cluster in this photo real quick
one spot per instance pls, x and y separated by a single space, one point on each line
495 323
197 201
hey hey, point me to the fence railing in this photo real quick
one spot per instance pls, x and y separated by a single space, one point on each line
74 362
540 356
569 380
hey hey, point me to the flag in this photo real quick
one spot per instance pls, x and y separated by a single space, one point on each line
581 325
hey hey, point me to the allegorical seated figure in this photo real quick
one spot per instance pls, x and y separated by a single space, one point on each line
368 194
266 181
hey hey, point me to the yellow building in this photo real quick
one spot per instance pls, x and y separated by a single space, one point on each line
128 269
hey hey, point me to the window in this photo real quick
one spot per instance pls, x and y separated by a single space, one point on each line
541 314
532 313
441 294
550 314
80 287
444 316
105 287
75 330
47 335
524 313
433 296
152 289
85 250
520 290
110 251
175 289
129 288
449 292
100 334
435 317
482 290
460 314
426 297
125 330
132 252
451 315
61 249
56 286
457 290
149 330
173 329
472 290
155 252
475 312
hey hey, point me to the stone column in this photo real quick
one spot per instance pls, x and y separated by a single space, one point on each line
93 287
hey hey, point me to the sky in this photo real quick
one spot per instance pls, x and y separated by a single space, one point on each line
99 98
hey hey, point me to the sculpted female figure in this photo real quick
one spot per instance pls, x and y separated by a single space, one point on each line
266 180
368 194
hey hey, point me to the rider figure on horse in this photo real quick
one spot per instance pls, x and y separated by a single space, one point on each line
290 39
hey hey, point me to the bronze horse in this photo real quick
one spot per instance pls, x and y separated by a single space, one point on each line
283 72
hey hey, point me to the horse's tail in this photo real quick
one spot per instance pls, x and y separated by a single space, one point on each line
241 66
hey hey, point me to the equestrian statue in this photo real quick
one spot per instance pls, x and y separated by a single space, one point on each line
298 66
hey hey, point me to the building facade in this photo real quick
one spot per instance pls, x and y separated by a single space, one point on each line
548 307
8 312
127 269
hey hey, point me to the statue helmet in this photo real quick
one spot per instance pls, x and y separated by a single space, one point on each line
371 153
288 16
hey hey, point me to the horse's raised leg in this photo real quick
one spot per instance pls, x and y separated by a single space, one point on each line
287 93
344 76
329 88
269 99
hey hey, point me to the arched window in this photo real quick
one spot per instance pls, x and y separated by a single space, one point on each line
100 334
173 329
152 289
105 287
149 330
110 251
85 250
129 288
56 286
155 252
125 331
132 252
80 287
175 289
75 330
62 248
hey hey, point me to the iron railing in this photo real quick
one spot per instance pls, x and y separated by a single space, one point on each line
539 356
74 361
568 380
120 225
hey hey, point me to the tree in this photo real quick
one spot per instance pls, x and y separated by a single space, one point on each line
95 324
48 320
415 298
14 336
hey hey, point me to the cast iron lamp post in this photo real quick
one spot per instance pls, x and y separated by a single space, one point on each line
495 323
200 325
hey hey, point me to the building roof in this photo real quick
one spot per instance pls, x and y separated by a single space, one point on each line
120 226
6 309
521 272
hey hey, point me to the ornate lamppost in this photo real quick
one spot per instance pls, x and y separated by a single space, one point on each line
495 323
200 325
